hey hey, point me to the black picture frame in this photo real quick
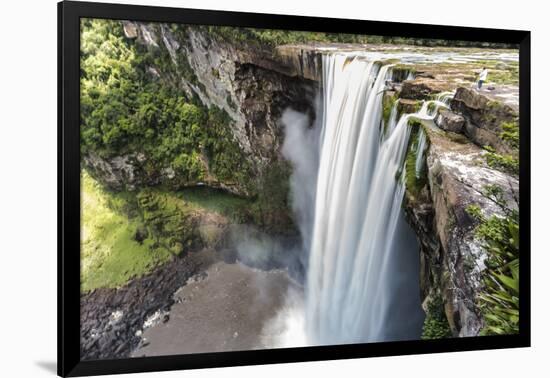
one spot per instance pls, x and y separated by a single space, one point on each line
69 14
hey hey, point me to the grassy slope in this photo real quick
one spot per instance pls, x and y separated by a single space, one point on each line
109 255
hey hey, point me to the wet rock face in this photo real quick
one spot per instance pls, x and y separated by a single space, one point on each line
263 95
301 62
483 118
420 214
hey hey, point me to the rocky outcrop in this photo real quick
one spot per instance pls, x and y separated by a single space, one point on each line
452 259
132 171
117 173
225 73
306 63
421 88
449 121
484 118
252 84
263 96
405 106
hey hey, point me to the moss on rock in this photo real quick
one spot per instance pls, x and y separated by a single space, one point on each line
436 325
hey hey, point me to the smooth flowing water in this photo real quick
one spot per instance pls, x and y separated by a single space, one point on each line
362 278
362 281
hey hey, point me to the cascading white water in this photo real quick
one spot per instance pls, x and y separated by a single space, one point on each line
420 146
359 240
347 192
392 120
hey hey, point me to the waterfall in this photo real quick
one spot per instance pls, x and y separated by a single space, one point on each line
363 256
348 185
392 121
420 146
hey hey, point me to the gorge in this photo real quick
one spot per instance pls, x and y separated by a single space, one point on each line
327 202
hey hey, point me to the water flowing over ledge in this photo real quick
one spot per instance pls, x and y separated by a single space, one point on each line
362 281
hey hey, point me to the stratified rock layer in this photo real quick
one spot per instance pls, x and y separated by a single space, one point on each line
484 118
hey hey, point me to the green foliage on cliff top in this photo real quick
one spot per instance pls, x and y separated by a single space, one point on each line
273 37
124 109
499 302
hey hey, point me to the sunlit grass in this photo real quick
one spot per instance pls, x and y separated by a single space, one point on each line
109 254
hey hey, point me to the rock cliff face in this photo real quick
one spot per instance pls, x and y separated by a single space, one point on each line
484 118
252 85
457 174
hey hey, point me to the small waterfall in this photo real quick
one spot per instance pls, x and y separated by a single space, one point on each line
420 147
363 256
445 97
392 121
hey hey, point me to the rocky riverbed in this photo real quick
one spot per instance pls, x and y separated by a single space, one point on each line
223 308
204 302
111 319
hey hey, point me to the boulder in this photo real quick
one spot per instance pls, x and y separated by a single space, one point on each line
449 121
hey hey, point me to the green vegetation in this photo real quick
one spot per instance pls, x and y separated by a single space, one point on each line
504 73
414 183
436 325
272 37
167 221
271 210
124 110
111 253
388 101
505 162
211 199
499 302
224 154
510 133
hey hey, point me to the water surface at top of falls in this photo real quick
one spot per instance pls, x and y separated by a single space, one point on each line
407 54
